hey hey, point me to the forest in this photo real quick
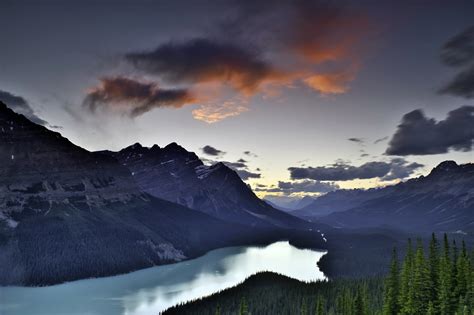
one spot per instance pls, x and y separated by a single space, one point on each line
432 278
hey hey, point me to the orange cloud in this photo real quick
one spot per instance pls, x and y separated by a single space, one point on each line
332 82
211 113
222 74
134 97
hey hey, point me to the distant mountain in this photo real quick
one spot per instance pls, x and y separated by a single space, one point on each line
337 201
174 174
443 201
290 204
67 213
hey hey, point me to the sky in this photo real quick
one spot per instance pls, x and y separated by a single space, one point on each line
299 97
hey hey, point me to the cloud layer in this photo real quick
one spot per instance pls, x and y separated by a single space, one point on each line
341 171
419 135
203 60
306 186
21 106
259 49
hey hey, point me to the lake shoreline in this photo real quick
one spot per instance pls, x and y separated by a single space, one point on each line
156 289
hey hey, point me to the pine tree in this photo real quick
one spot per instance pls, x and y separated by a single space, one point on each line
304 309
359 304
462 272
320 305
421 284
406 298
244 309
454 272
218 310
434 272
444 287
391 302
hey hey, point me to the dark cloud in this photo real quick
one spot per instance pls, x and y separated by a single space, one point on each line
134 97
400 168
459 52
419 135
462 84
306 186
241 168
248 153
210 150
21 106
381 139
364 155
205 60
244 174
301 186
357 140
341 171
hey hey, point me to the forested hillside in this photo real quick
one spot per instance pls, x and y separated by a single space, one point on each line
439 280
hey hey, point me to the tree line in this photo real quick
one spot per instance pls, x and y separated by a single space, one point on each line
439 282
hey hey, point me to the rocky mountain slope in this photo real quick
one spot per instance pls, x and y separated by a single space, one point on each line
67 213
442 201
174 174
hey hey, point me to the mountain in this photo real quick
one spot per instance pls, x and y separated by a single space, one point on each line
443 201
337 201
174 174
67 213
288 204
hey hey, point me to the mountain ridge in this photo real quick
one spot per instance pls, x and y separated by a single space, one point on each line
441 201
177 175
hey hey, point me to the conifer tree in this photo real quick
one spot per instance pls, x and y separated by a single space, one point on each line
391 302
462 272
320 305
304 308
359 304
454 272
244 309
444 287
434 272
421 284
406 298
431 309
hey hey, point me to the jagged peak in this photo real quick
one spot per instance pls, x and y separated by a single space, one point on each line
445 166
175 148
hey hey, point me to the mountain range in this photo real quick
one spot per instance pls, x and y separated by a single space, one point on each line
67 213
174 174
442 201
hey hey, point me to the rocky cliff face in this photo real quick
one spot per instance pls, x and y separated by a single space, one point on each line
179 176
40 170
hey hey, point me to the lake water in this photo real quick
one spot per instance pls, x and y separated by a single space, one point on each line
152 290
